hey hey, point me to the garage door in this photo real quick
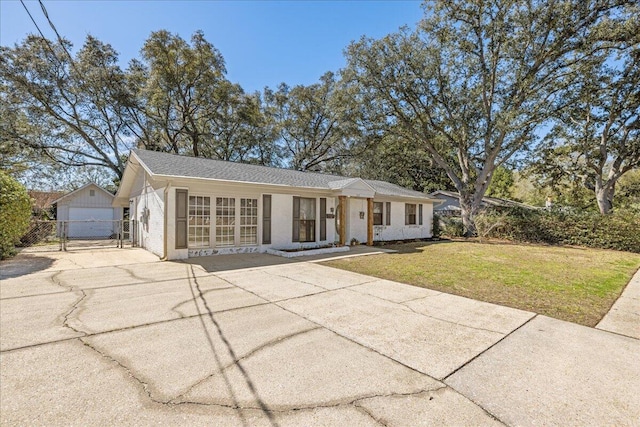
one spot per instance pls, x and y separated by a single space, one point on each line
90 223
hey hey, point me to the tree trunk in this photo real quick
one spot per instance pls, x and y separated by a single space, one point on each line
468 211
604 197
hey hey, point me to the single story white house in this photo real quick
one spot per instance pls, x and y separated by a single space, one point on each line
89 211
188 207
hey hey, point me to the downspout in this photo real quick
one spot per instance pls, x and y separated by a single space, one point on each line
165 224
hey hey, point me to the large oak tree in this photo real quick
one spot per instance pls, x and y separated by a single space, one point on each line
73 110
472 84
597 137
313 125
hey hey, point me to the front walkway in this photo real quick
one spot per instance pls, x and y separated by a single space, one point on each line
114 336
624 316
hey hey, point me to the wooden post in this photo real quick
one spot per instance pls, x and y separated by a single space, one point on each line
342 215
369 221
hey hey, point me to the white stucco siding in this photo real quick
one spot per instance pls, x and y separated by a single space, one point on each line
398 230
332 235
356 225
148 211
428 218
282 221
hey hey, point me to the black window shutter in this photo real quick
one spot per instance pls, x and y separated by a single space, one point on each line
419 214
296 219
323 218
266 219
181 218
388 216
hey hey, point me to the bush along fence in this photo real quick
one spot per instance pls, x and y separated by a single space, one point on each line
60 235
619 231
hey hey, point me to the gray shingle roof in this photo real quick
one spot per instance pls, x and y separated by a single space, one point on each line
166 164
494 201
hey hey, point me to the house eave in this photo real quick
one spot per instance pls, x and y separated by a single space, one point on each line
262 184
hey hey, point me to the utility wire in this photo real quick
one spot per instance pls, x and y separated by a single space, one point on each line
55 30
33 20
60 40
46 40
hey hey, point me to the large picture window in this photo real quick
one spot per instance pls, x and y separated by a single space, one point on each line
248 221
304 219
225 221
199 222
378 208
410 214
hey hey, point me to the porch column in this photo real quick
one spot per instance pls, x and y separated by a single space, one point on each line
369 221
342 216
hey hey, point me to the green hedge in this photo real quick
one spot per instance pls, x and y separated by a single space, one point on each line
620 231
450 226
15 211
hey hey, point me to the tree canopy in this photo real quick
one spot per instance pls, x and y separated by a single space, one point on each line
596 138
476 80
71 110
451 104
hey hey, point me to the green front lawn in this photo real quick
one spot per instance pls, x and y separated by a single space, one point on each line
574 284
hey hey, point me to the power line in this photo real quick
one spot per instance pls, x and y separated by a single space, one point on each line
60 40
55 30
32 20
46 40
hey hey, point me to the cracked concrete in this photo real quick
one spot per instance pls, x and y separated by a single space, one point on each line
551 372
429 408
115 337
395 330
328 368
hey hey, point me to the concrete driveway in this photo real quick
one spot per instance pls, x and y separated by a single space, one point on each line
116 337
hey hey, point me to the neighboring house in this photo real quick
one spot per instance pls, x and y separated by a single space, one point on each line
451 204
89 212
43 203
188 206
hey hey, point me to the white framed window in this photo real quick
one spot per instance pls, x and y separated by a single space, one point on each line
409 214
304 219
378 207
199 222
225 221
248 221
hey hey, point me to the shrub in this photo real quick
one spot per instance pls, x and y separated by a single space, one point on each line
15 212
436 230
620 230
451 226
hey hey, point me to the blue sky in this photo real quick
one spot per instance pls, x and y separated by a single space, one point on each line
263 42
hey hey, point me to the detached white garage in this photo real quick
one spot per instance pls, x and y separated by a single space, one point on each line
89 212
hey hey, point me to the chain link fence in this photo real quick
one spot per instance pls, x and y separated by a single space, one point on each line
44 236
